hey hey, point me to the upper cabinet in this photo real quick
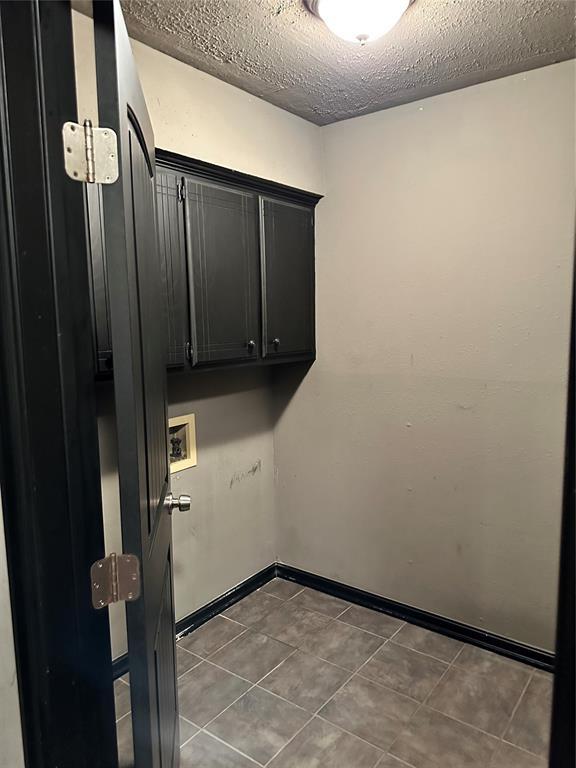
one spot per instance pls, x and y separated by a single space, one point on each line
237 256
223 272
287 269
172 255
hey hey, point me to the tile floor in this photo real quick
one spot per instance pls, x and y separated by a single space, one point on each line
293 678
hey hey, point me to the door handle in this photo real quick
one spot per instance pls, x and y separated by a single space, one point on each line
182 503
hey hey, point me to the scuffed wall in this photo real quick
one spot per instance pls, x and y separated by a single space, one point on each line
422 456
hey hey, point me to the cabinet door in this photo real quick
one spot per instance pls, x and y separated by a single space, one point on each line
287 265
172 254
222 234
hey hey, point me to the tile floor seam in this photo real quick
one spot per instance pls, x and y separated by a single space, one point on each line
345 683
524 689
399 760
423 653
246 680
246 630
230 746
315 714
387 688
190 722
339 618
187 651
313 610
350 733
426 699
252 686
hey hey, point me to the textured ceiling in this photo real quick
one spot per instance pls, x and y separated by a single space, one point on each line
278 50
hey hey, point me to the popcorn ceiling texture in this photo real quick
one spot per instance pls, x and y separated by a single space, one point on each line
278 51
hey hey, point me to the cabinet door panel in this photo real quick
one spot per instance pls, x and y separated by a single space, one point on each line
172 254
287 254
222 226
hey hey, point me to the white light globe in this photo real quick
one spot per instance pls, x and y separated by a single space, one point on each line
361 21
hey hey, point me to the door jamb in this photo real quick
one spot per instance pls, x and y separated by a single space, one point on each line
49 463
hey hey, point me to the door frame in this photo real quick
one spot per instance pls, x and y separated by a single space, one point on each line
562 739
47 384
49 463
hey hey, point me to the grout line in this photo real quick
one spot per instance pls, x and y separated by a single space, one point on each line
190 721
425 701
123 716
230 746
428 655
384 641
252 685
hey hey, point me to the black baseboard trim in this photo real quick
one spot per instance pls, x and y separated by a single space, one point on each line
202 615
527 654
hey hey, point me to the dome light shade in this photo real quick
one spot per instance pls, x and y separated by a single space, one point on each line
360 21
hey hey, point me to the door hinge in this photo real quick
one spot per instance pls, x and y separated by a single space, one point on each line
115 578
90 154
181 185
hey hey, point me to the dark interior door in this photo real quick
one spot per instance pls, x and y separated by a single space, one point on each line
222 228
139 346
287 254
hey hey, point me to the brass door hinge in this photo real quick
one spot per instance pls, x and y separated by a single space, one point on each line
90 154
115 578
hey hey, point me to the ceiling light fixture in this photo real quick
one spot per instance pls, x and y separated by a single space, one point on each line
359 21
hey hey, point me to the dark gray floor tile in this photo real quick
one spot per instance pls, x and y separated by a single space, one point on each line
305 680
121 698
318 601
478 660
259 724
205 752
483 700
281 588
253 608
404 670
124 740
187 730
530 726
322 745
210 637
508 756
252 655
206 690
442 648
185 661
342 644
372 621
291 624
432 740
368 710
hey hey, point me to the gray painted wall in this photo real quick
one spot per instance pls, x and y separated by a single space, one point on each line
421 458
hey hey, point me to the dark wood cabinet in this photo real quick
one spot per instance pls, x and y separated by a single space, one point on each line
237 259
172 254
287 255
223 272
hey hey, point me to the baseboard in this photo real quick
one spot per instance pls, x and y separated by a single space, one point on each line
202 615
512 649
527 654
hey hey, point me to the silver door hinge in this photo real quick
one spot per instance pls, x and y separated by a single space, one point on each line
90 154
115 578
